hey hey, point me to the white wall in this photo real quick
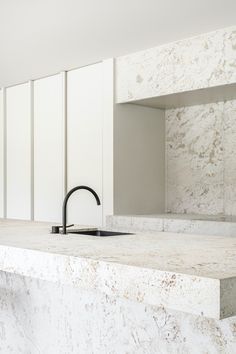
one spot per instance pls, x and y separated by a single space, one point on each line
139 160
1 154
108 140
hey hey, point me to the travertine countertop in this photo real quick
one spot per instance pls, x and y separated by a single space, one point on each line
189 273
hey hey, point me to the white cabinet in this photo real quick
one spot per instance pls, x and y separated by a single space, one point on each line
85 142
63 131
59 134
18 151
48 148
1 154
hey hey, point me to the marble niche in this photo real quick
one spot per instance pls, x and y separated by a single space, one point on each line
200 139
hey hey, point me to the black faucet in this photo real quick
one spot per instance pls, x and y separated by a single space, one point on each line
55 229
64 208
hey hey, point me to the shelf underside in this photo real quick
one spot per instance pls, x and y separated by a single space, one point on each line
191 98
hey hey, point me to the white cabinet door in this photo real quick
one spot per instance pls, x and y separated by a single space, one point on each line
1 156
18 110
48 148
84 142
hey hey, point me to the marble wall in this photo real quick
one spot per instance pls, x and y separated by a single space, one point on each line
200 159
199 62
39 317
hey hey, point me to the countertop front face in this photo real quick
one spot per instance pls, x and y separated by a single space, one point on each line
188 273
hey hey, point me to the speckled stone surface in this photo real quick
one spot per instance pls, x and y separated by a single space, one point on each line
200 140
177 223
194 159
203 61
229 136
40 317
200 161
160 269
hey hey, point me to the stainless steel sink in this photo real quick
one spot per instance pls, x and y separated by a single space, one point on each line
100 233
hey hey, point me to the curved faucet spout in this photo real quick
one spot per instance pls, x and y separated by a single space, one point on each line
64 208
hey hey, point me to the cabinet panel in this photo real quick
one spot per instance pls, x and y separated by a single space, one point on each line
84 142
48 148
18 109
1 156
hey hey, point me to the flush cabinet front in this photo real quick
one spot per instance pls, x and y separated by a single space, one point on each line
57 133
49 148
84 142
18 152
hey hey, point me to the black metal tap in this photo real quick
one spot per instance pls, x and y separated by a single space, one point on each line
56 229
64 208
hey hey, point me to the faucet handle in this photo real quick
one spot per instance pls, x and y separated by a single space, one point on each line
56 229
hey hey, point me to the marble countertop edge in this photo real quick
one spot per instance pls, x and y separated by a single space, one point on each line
209 297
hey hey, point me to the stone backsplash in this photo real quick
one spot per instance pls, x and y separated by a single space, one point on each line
200 159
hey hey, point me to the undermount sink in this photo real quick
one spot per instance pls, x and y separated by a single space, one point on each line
100 233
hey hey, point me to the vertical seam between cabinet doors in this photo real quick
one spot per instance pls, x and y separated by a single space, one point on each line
114 78
102 134
4 153
31 85
53 74
64 131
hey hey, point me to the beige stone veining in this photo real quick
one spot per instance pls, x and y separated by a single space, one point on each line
203 61
178 271
173 252
44 317
200 161
200 140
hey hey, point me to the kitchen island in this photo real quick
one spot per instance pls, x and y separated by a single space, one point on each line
148 292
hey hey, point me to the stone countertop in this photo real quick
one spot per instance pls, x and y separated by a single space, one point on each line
189 273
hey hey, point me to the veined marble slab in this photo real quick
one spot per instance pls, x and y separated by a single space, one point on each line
212 225
194 63
195 160
187 273
43 317
200 159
